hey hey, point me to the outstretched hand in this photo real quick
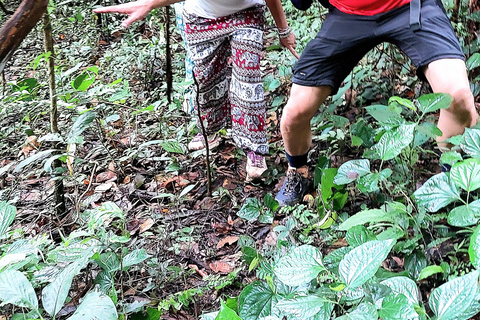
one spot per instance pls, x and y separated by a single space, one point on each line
136 11
289 43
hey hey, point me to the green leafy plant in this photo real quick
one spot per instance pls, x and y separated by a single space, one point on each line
91 245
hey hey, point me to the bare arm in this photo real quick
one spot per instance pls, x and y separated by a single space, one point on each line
275 7
137 10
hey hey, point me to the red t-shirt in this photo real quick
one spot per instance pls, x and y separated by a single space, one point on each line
367 7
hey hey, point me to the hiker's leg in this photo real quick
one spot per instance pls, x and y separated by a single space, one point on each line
248 107
438 56
210 52
300 109
326 61
450 76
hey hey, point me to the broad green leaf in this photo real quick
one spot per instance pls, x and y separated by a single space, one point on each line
425 131
356 141
429 271
396 307
362 262
173 146
452 298
17 290
299 266
83 81
394 232
436 193
394 141
363 131
270 202
332 260
94 306
472 310
206 316
386 115
471 142
82 123
325 313
351 171
326 183
274 85
415 263
370 216
7 215
11 258
434 101
429 129
466 174
226 313
134 257
473 62
358 235
364 311
108 261
32 315
232 303
302 307
36 157
251 209
369 183
401 101
404 286
450 157
54 294
353 295
474 247
256 301
465 215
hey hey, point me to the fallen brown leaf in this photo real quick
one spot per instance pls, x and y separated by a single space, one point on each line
221 267
339 243
200 272
129 292
146 225
107 175
104 187
229 239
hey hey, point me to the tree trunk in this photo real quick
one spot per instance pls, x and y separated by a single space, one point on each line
18 26
48 42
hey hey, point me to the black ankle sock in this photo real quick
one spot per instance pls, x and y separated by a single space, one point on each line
297 161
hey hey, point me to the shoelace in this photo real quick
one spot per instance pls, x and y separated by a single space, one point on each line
293 181
257 160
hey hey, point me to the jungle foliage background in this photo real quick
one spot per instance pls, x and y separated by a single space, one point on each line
141 238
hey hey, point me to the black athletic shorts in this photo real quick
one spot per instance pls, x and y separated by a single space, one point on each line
345 38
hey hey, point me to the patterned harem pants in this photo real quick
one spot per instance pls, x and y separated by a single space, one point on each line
230 96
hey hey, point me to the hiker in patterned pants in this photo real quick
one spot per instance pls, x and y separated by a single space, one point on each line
220 33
